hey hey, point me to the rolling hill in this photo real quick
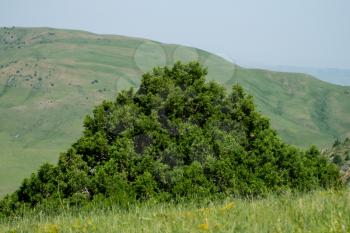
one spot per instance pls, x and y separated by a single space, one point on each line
51 78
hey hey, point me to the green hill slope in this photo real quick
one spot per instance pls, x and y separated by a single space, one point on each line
50 79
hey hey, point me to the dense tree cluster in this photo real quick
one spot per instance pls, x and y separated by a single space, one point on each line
177 136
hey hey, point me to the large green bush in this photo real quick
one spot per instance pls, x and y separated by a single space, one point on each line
177 136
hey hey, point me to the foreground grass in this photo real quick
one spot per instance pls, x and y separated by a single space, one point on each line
321 211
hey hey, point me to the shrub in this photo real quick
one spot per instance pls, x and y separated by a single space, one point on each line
337 159
178 136
347 158
336 143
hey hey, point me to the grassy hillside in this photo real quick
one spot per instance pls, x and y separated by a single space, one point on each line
323 211
50 79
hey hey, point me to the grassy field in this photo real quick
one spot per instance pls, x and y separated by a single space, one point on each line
50 79
321 211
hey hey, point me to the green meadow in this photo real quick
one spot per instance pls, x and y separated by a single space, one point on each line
319 212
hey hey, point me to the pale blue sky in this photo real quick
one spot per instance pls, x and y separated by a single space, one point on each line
313 33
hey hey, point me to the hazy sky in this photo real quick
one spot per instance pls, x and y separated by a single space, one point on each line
314 33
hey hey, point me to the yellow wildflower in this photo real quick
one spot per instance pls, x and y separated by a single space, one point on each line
205 210
228 206
204 226
49 228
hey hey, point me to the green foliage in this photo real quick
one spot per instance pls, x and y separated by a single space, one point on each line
337 159
290 100
177 137
347 158
337 142
339 154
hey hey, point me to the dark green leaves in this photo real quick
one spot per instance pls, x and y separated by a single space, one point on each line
176 137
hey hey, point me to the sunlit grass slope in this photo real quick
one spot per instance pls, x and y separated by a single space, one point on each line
322 211
50 79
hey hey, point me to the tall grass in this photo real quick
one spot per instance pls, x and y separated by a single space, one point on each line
321 211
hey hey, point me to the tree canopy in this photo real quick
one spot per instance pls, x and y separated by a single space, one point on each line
177 136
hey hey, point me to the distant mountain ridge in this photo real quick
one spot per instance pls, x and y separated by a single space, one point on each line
51 78
331 75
